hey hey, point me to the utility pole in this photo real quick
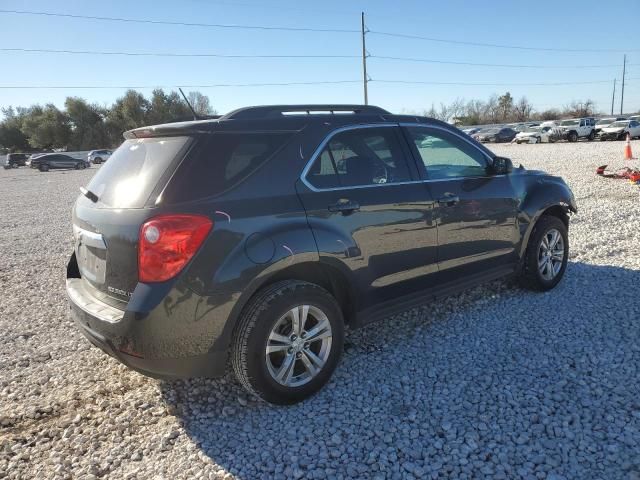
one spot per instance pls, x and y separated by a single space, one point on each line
613 97
365 79
624 67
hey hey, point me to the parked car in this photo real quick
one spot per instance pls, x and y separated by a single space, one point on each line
15 160
634 117
56 160
471 131
618 130
98 156
574 128
496 134
605 122
537 135
260 236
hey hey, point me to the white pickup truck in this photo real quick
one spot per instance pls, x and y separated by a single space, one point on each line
575 128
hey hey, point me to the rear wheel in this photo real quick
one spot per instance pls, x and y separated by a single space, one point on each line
547 254
44 167
14 165
97 160
289 341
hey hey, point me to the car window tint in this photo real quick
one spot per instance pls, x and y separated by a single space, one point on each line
359 157
445 156
221 161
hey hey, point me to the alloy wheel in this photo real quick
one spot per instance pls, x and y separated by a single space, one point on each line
298 346
551 254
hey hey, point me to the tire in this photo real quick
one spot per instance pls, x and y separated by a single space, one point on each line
573 137
269 313
97 160
533 276
14 165
591 136
83 166
44 167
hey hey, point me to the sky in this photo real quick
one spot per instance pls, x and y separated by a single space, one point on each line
550 25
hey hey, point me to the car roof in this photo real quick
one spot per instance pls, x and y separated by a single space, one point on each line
282 117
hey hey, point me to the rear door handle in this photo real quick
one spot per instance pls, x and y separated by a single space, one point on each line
449 200
345 206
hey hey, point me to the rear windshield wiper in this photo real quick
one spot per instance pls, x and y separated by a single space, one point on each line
89 194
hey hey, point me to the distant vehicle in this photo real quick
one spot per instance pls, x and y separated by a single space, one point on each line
98 156
15 160
57 160
497 135
605 122
634 117
537 135
618 130
471 131
572 129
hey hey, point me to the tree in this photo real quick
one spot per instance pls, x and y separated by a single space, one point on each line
200 103
579 108
128 112
87 124
522 110
165 108
505 106
46 127
11 136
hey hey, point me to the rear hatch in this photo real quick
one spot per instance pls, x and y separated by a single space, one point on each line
115 203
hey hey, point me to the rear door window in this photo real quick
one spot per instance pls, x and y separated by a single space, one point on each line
134 170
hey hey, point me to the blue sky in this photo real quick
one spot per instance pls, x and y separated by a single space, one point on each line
568 25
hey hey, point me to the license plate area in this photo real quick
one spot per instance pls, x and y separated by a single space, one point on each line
91 255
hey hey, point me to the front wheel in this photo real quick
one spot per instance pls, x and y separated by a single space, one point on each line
573 137
44 167
288 342
592 135
547 253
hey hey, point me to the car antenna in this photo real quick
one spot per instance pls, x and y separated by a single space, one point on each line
195 115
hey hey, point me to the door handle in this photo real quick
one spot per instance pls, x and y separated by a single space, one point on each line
449 200
344 206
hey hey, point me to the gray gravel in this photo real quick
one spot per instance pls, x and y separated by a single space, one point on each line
494 383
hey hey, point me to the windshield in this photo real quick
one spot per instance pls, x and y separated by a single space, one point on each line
490 130
621 124
533 129
568 123
605 121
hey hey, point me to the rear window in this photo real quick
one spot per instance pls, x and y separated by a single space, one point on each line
133 171
221 161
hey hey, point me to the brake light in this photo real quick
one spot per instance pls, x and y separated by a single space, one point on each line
167 243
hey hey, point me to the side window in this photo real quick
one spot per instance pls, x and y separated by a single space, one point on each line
446 156
582 123
359 157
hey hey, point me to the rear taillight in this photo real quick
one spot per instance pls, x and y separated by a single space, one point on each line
167 243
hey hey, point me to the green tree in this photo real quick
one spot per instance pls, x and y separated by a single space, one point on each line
88 129
46 127
166 108
129 111
11 136
505 106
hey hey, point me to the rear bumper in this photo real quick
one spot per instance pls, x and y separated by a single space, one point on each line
130 337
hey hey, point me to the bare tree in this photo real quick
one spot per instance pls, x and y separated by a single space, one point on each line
522 110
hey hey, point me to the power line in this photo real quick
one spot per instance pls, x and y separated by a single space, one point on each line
497 45
268 84
183 24
506 65
164 54
552 84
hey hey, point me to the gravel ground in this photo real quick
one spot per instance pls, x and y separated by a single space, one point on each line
494 383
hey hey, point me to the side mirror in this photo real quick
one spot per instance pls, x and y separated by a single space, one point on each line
502 165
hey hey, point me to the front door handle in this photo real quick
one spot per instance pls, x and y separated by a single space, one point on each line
449 200
345 206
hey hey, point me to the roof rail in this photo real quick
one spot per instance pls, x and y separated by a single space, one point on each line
274 111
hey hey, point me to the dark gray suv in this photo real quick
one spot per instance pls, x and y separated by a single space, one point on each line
261 235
